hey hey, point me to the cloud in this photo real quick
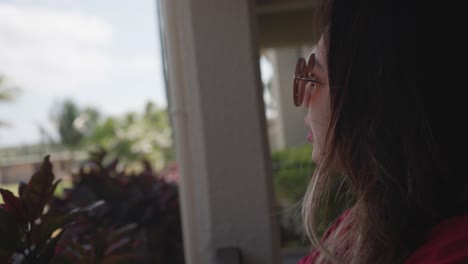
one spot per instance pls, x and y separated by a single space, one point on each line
53 51
49 49
137 64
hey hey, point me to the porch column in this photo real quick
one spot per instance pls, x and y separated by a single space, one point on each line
290 128
220 131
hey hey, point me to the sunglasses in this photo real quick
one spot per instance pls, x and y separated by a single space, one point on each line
303 73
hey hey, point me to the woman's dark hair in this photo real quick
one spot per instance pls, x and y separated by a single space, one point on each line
397 75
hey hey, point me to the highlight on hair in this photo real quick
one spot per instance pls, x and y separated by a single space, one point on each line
398 137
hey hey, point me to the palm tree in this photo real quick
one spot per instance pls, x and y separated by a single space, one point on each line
65 117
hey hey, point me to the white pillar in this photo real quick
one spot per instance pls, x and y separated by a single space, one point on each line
220 131
290 124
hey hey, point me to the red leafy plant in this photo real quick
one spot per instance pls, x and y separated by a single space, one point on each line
28 232
138 221
31 232
106 217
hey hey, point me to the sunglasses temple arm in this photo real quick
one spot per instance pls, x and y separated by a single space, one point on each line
309 80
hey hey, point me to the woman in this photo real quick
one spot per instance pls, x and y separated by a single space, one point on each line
384 93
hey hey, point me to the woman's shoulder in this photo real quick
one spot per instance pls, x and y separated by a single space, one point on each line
446 243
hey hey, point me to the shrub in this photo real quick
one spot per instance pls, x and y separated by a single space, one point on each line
29 232
107 216
292 171
139 220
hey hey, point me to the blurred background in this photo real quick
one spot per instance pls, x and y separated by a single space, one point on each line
87 75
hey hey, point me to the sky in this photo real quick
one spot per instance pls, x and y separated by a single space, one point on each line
104 54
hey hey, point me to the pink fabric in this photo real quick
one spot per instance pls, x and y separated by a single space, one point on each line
306 260
312 257
446 243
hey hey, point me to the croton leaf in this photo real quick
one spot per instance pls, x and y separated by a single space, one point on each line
21 186
118 245
11 232
52 190
14 205
37 192
50 223
62 259
121 259
90 208
48 252
79 250
125 231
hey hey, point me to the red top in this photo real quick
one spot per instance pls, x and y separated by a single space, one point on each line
446 243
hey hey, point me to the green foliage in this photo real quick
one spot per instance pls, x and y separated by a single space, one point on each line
292 171
65 117
134 136
129 137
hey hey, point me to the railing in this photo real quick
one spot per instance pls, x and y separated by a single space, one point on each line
8 160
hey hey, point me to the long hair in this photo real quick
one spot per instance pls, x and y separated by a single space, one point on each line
399 127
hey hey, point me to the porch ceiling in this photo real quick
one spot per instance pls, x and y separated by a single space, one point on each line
285 22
